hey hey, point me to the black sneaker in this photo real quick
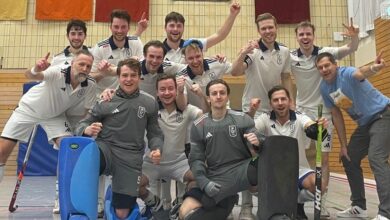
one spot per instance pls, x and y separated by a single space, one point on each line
174 213
301 215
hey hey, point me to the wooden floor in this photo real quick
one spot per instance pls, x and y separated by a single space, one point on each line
36 198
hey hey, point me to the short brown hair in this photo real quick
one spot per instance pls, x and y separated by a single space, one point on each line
265 16
304 24
174 16
132 63
121 14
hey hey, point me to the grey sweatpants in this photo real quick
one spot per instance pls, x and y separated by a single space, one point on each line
372 140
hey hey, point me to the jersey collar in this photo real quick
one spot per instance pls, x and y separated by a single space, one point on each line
265 48
67 72
314 52
144 71
293 115
168 48
206 67
67 51
113 45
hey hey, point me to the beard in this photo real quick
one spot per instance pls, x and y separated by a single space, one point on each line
80 77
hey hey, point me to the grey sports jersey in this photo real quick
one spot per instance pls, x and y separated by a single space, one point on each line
219 152
124 122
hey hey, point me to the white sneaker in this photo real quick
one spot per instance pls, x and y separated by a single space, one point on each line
380 217
56 209
353 212
100 208
246 213
324 212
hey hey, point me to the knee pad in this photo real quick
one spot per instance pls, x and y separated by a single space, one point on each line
78 178
109 210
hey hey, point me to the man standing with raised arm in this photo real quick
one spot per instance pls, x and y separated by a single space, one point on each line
347 88
308 82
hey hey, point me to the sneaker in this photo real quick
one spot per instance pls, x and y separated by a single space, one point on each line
100 208
380 217
353 212
149 211
174 212
56 209
324 212
246 213
301 215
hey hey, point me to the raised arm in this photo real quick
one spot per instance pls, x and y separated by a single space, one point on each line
369 70
142 25
35 73
241 63
224 31
352 46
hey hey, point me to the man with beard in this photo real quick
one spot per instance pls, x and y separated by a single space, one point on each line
308 80
110 51
265 64
284 121
46 103
174 29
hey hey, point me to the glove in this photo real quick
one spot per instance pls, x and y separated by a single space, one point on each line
212 189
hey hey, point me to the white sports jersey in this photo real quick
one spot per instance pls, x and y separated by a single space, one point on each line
65 57
295 127
213 69
264 71
148 80
107 50
54 95
308 78
174 126
176 55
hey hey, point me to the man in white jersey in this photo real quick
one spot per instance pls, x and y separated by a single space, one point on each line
174 124
284 121
200 71
110 51
308 80
265 63
174 28
76 32
46 103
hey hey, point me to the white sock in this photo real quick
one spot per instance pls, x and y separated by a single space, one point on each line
305 196
2 168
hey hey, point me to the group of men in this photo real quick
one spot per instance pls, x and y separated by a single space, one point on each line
170 90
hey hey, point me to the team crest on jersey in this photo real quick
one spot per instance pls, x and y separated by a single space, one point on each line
292 128
80 93
212 75
141 112
279 59
179 117
233 131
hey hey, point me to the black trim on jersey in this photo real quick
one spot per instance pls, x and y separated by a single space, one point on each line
67 73
144 71
206 67
168 48
265 48
293 116
67 51
314 52
113 45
